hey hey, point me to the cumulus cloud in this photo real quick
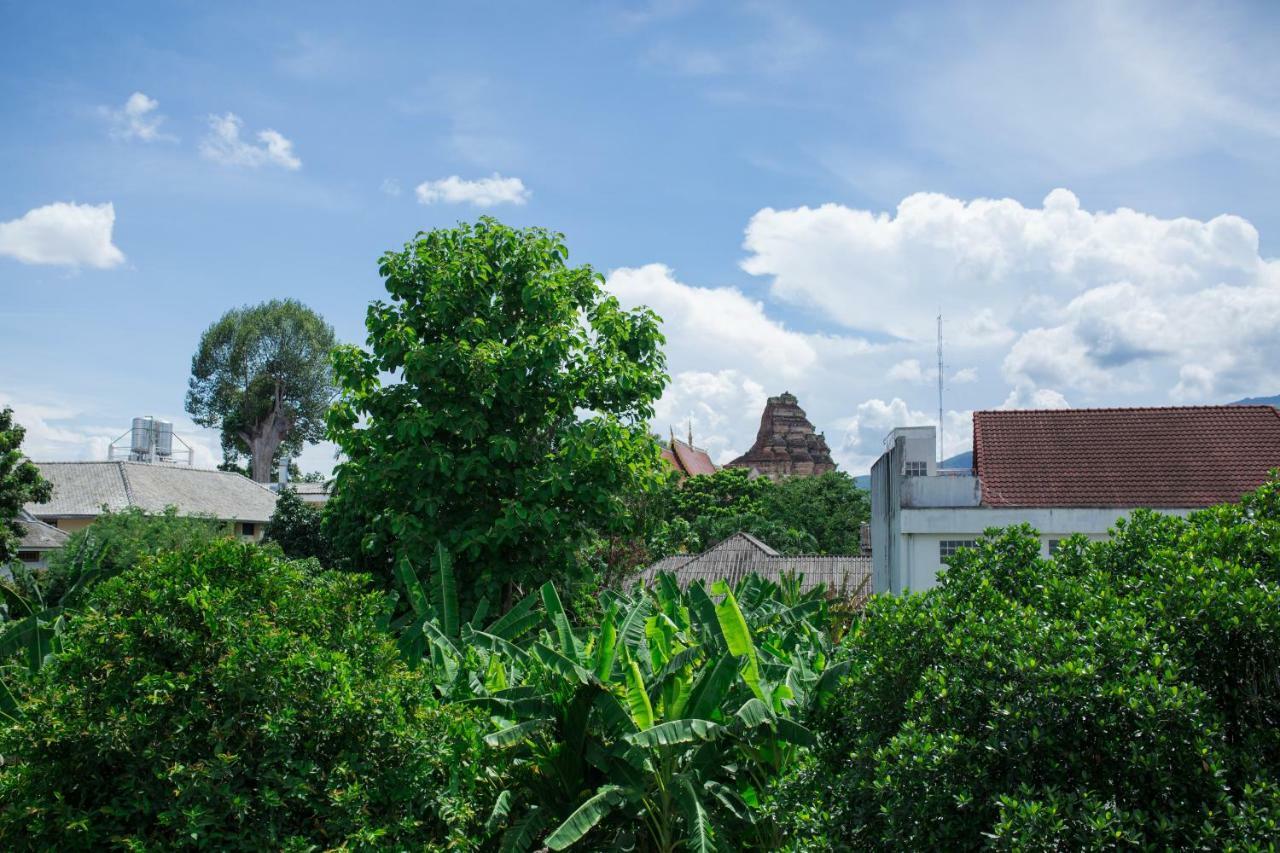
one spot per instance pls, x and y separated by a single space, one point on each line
225 145
484 192
63 430
717 326
865 431
1110 303
63 233
137 119
714 406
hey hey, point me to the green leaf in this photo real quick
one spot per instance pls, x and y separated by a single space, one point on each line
738 637
676 731
563 665
584 818
515 622
445 591
637 696
501 810
519 733
564 634
697 824
712 687
413 588
606 644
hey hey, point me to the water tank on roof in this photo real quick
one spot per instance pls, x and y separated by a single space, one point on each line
140 443
164 438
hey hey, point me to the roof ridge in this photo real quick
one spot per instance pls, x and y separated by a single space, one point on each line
1230 407
128 489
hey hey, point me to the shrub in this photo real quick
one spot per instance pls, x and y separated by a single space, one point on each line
117 541
297 528
1126 693
225 698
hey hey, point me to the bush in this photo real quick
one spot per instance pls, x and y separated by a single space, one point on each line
1125 693
117 541
297 528
225 698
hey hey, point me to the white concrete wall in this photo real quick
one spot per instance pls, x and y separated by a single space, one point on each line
922 531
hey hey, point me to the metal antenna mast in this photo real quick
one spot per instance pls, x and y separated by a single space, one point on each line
941 456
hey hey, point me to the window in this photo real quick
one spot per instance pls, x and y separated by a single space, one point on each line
1053 546
916 469
246 528
29 556
948 547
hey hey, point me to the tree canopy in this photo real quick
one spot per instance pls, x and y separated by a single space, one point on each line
262 375
20 484
820 515
1120 694
499 410
221 698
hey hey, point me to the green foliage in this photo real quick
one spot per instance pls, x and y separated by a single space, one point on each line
117 541
659 726
20 484
227 699
1126 693
297 527
499 410
36 608
261 375
798 515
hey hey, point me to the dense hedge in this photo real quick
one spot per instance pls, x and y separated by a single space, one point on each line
1124 693
229 699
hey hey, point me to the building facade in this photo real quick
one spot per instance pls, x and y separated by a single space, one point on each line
82 491
1064 472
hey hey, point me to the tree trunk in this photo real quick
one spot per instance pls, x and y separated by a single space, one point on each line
267 436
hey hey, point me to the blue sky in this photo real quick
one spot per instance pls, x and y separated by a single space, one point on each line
1087 191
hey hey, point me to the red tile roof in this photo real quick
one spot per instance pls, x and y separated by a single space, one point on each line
1190 456
688 460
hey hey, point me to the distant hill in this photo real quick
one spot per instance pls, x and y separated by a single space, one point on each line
960 460
1258 401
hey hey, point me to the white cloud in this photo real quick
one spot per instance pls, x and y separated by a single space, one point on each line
391 187
483 192
60 430
1111 303
865 431
717 327
63 233
224 145
137 119
714 406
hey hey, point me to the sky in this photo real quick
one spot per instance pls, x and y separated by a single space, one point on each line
1084 191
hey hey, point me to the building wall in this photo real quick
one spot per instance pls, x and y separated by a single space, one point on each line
923 530
71 525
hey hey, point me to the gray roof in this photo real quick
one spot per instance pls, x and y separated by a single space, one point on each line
310 488
38 536
742 554
82 489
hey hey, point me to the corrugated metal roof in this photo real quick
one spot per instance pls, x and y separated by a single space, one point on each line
1189 456
743 554
38 536
82 489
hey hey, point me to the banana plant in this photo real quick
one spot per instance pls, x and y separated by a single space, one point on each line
659 727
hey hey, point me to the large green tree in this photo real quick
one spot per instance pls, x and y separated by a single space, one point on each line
796 515
499 410
262 376
20 483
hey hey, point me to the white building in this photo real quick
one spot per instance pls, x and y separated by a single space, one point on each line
1062 471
